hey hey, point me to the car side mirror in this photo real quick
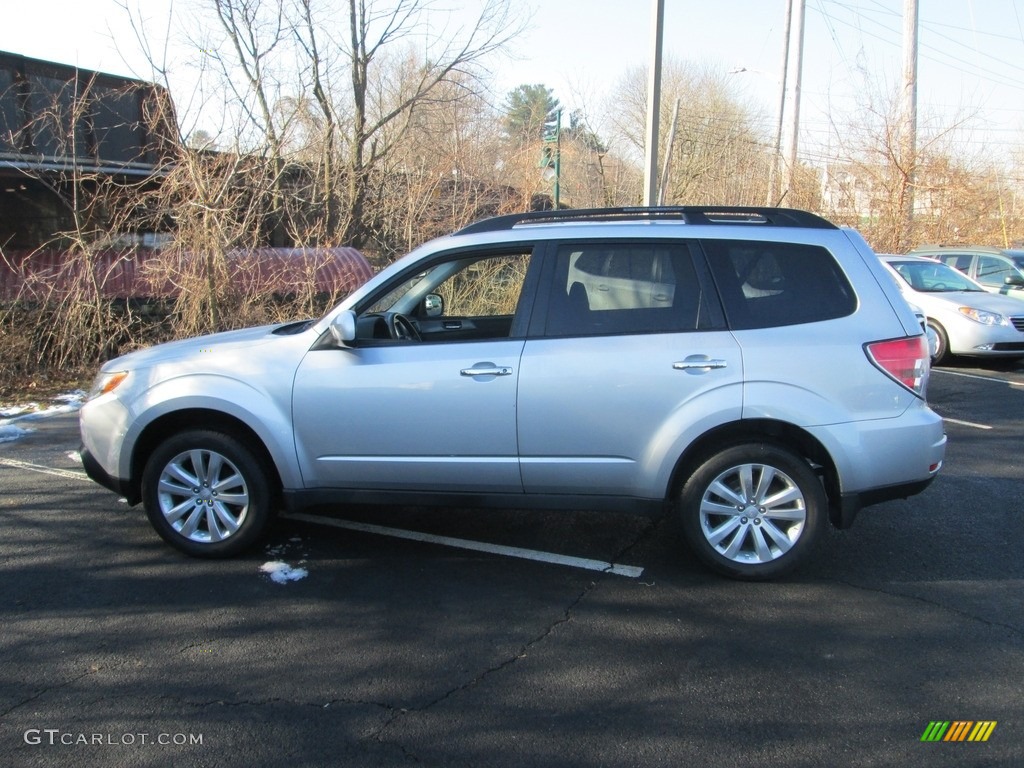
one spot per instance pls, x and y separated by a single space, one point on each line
433 305
1015 280
343 328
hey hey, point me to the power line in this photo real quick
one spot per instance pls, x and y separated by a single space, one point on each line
941 56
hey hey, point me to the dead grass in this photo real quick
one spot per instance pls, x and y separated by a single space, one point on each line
43 385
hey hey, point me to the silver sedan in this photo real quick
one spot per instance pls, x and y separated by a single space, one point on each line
963 318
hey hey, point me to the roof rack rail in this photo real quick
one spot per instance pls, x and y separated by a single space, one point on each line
690 214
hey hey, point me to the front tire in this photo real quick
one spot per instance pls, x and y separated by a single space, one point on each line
941 344
752 511
206 494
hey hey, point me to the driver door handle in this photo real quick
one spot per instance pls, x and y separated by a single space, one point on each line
491 370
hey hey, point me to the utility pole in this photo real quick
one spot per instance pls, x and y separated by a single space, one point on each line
908 153
653 104
773 169
787 184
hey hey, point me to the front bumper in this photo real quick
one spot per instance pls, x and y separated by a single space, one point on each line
99 475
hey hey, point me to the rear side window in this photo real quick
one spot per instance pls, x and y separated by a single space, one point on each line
764 285
961 262
623 288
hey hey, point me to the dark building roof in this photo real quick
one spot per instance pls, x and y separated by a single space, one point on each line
59 117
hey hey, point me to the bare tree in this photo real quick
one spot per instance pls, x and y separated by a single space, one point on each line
869 183
448 170
382 114
346 83
719 154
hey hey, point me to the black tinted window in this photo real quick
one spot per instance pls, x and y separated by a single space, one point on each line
961 262
771 284
613 288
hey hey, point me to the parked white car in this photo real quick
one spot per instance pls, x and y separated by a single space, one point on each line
963 318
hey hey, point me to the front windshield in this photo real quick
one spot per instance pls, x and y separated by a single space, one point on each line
934 277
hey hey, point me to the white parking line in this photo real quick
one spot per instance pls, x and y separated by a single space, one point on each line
66 473
982 378
966 423
629 571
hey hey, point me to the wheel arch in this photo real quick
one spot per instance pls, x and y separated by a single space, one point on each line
779 433
199 418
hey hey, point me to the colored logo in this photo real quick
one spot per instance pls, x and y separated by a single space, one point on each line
958 730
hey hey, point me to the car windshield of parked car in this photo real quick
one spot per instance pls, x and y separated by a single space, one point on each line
934 277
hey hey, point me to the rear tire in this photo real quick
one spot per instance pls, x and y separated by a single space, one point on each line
752 511
206 494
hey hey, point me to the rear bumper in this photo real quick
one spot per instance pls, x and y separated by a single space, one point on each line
843 514
882 460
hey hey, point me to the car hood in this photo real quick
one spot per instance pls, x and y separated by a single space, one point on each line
990 302
212 344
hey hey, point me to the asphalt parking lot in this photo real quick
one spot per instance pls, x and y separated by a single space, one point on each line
579 639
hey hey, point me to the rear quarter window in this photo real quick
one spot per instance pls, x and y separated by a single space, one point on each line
764 285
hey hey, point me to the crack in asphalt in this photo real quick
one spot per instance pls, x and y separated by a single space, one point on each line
941 606
93 670
481 676
523 651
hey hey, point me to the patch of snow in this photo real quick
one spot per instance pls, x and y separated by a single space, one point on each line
66 403
10 411
9 433
281 573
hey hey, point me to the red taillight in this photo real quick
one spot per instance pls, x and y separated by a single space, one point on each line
905 360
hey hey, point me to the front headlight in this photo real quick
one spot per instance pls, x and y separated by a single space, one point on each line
106 382
983 317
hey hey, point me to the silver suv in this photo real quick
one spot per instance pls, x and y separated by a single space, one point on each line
998 270
755 371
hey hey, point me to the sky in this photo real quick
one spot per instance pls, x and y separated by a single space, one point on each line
971 61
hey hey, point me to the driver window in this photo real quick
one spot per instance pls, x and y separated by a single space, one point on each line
992 271
487 287
470 298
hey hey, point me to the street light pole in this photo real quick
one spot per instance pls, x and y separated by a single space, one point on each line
667 165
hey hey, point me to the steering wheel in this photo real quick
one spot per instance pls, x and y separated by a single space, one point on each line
401 328
938 287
